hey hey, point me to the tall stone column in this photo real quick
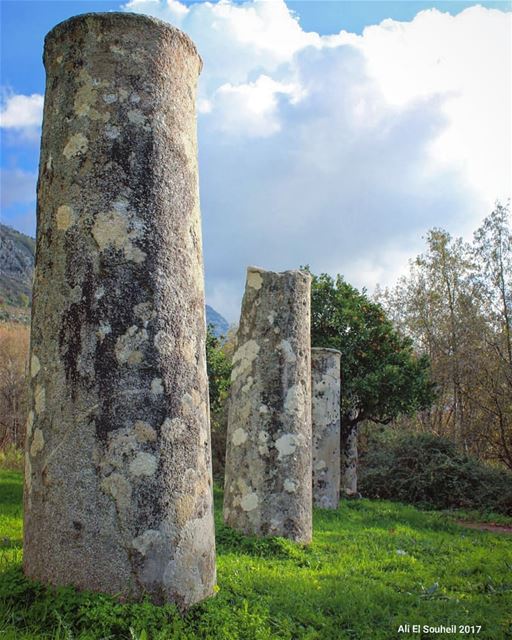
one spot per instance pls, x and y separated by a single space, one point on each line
349 460
118 494
325 419
268 456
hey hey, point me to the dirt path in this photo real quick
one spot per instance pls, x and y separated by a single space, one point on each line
486 526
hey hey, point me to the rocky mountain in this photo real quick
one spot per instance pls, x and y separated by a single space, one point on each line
219 323
16 268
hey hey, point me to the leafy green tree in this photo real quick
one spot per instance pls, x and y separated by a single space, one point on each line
218 364
456 305
435 306
491 393
381 376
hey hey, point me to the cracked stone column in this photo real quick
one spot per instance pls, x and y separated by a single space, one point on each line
268 456
118 494
325 419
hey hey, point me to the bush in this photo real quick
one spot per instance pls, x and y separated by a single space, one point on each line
430 472
219 372
11 458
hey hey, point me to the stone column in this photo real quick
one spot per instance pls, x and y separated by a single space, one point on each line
118 494
349 460
268 457
325 419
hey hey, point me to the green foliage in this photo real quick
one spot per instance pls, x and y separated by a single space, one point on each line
24 300
456 304
219 378
429 471
219 370
371 566
381 377
11 458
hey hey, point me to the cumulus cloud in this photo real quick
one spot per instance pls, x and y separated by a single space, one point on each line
237 41
250 109
21 115
467 58
341 151
20 111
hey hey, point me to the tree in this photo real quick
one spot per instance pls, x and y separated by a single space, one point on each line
432 305
492 397
381 376
14 347
218 364
456 306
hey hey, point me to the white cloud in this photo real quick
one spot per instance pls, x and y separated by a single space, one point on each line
341 151
468 59
234 40
250 109
19 111
21 117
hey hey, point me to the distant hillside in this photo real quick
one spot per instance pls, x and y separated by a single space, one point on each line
16 268
219 323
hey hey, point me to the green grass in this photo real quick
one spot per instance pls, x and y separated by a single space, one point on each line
372 566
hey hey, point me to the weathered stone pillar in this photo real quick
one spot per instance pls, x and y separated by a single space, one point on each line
268 457
349 459
325 419
118 494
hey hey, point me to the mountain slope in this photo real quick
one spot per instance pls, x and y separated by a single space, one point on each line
219 323
16 267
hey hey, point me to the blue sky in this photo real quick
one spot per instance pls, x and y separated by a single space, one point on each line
381 120
26 22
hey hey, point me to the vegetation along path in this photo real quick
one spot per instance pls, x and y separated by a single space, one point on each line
372 566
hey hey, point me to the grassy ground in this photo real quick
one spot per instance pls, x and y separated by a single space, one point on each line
372 567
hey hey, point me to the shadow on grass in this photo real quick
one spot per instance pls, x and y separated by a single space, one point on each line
272 548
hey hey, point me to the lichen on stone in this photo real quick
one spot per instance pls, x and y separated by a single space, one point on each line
119 488
35 365
157 387
144 432
65 217
254 280
112 229
244 357
76 145
144 464
239 437
29 424
39 399
286 445
128 346
249 502
37 443
149 538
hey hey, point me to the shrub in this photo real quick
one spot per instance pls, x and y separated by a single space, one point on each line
429 471
11 458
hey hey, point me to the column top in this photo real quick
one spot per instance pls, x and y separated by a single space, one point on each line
326 349
120 17
252 269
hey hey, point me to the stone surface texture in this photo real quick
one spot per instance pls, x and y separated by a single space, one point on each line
325 419
349 460
118 494
268 453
